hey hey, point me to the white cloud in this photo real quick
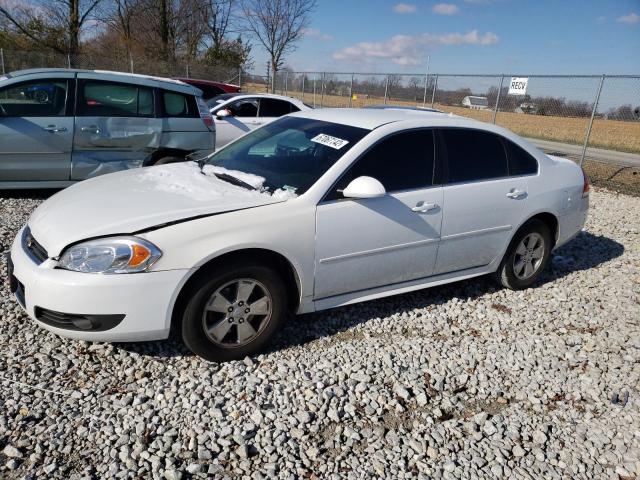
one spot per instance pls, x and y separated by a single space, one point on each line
445 9
315 33
630 19
404 8
480 2
409 49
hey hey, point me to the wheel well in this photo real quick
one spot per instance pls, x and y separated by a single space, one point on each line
165 152
550 221
254 256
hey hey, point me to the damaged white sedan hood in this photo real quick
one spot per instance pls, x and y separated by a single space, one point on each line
134 200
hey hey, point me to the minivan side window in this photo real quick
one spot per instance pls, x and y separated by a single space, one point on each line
520 161
401 161
474 155
37 98
179 105
110 99
271 107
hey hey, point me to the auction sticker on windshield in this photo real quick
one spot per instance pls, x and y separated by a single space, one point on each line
329 141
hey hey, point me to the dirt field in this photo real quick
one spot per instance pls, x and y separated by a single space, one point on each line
609 134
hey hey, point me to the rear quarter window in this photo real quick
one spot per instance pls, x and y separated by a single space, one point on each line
179 105
520 161
474 155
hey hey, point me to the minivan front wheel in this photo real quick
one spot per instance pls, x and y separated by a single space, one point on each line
526 257
234 312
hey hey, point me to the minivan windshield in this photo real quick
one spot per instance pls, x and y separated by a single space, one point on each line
291 153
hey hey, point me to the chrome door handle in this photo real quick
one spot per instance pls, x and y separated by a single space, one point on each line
91 129
516 193
54 128
422 207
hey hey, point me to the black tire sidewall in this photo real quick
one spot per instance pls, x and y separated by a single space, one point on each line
506 272
193 333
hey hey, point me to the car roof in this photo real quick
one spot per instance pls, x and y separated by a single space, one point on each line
205 82
372 118
136 78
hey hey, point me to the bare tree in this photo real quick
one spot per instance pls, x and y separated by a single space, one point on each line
219 15
119 15
68 16
278 24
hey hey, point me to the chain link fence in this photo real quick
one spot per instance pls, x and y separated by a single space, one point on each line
593 119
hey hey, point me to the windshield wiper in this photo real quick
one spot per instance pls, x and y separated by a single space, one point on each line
234 180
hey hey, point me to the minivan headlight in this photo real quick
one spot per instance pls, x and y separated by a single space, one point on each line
110 255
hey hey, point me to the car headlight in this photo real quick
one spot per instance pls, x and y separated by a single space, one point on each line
110 255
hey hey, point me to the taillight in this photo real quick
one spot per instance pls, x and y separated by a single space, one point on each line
208 121
205 115
585 184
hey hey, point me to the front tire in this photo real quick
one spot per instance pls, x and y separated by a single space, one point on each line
527 256
234 312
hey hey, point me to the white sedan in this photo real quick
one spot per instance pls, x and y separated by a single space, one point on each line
237 113
318 209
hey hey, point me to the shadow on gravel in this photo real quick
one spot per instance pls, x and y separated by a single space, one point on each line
584 252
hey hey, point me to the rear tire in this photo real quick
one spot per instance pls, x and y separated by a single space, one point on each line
527 256
218 323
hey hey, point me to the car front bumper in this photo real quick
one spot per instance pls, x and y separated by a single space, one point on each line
94 307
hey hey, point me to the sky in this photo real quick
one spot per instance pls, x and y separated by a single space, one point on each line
470 36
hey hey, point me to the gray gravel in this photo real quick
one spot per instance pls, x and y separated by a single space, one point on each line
462 381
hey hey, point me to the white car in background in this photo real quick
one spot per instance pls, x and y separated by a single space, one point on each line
235 114
318 209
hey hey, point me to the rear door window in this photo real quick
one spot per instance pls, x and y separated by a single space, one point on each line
110 99
474 155
38 98
270 107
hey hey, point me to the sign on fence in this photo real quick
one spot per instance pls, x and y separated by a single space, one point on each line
518 85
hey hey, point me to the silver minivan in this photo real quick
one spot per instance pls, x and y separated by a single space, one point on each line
59 126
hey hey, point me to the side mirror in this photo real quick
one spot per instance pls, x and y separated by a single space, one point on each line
222 113
364 187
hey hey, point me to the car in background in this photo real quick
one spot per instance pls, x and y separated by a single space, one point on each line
318 209
59 126
236 114
209 88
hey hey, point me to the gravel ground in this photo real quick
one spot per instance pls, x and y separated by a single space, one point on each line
462 381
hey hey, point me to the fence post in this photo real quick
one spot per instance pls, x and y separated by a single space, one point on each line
314 90
286 82
2 60
351 91
69 60
386 87
495 109
131 60
322 92
240 77
433 94
187 70
304 75
424 96
593 114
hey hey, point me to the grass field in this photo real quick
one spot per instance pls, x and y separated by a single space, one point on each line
608 134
